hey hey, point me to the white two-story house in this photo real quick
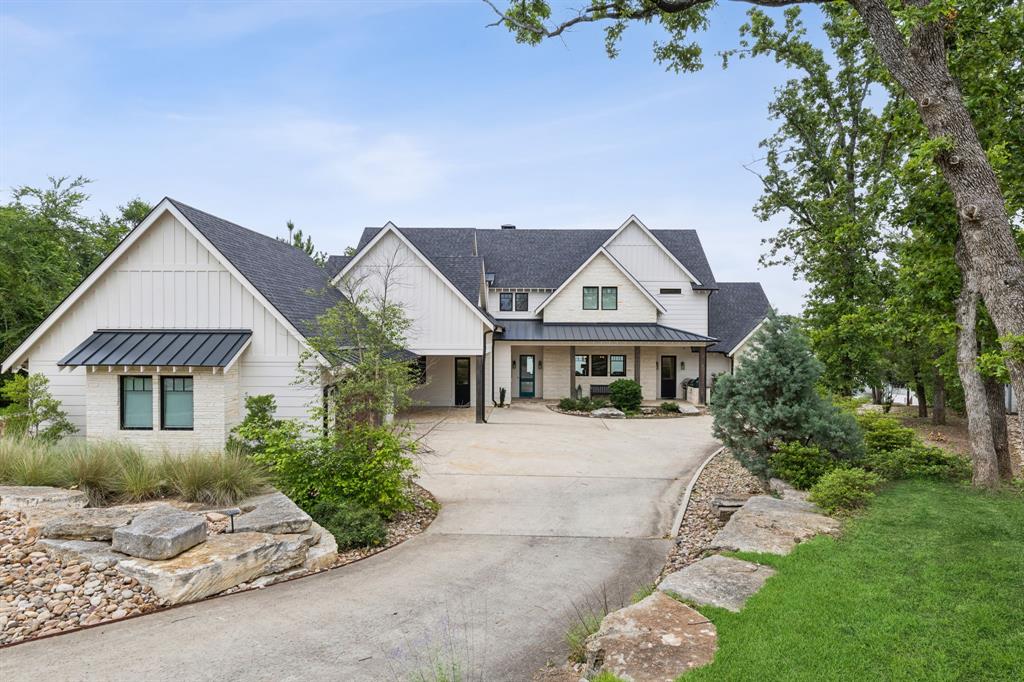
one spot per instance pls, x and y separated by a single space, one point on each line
191 313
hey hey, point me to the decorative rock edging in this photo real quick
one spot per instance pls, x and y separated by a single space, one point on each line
686 410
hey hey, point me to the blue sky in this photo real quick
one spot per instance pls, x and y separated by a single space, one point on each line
346 114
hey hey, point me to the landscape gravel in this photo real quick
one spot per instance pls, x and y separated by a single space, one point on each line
723 476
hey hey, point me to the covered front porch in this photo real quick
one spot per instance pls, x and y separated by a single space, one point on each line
552 361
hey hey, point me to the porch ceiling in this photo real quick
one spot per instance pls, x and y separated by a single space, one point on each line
537 330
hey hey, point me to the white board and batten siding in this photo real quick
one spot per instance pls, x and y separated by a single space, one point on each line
442 321
655 270
168 280
536 298
567 304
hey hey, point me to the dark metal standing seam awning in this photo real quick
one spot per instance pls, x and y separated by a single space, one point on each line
536 330
158 348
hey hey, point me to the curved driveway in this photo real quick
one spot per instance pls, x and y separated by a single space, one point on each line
541 512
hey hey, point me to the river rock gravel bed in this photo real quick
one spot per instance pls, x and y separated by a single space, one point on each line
40 597
723 476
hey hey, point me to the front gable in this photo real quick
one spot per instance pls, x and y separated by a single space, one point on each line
635 304
444 322
639 251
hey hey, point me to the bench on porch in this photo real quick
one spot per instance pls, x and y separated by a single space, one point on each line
597 390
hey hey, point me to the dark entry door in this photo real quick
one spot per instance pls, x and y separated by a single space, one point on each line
527 377
668 376
462 381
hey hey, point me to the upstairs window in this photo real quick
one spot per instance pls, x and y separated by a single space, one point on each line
599 365
671 291
176 403
617 365
136 403
609 298
590 296
522 302
582 366
505 302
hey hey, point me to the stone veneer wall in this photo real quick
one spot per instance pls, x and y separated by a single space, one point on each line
216 405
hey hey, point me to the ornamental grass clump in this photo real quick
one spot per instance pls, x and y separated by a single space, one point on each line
94 468
212 478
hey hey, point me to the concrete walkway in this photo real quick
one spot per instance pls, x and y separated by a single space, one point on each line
541 511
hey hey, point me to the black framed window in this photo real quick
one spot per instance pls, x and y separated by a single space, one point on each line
522 302
598 365
671 291
137 403
505 301
176 405
582 364
590 296
617 365
609 298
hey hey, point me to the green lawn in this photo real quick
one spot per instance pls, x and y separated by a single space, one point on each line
927 584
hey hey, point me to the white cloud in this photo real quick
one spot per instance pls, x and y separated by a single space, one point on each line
392 168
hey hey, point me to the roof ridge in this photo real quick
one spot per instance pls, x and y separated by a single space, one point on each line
275 240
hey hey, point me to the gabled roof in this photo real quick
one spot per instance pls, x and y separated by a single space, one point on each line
734 311
601 251
336 264
292 281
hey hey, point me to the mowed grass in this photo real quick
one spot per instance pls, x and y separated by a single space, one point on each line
926 584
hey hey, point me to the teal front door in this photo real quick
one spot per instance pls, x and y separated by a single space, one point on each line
527 377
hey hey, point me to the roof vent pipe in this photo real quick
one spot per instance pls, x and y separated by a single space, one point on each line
508 226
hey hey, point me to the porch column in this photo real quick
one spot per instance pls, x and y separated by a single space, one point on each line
480 364
572 371
702 379
636 363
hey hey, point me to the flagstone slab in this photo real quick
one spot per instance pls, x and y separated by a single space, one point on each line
19 497
272 513
718 581
768 524
161 532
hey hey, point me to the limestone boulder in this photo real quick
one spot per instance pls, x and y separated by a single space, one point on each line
99 555
608 413
161 532
88 523
768 524
717 581
21 497
216 565
786 491
291 552
271 513
322 554
655 640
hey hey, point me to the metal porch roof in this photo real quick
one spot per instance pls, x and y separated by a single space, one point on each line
536 330
158 347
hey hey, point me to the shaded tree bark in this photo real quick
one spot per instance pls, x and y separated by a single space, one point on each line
939 399
979 422
922 398
995 393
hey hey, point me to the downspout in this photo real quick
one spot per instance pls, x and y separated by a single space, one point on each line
481 410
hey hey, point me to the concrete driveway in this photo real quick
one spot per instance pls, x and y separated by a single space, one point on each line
541 513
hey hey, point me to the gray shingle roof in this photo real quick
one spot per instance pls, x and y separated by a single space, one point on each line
539 259
158 348
733 312
292 281
336 264
536 330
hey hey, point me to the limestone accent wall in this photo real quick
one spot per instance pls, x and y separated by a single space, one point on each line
212 404
556 372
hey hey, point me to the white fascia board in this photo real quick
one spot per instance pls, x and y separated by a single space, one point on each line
633 220
746 338
601 251
391 228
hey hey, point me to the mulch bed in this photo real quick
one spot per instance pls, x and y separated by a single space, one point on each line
723 476
953 434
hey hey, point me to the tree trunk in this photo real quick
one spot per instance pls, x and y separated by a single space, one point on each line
995 391
979 423
922 398
939 400
922 69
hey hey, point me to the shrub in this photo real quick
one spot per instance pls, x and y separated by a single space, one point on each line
801 465
670 406
569 405
626 394
918 461
351 525
844 489
32 411
884 434
212 478
597 404
772 398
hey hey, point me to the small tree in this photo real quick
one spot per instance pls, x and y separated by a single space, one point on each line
773 399
626 394
33 412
